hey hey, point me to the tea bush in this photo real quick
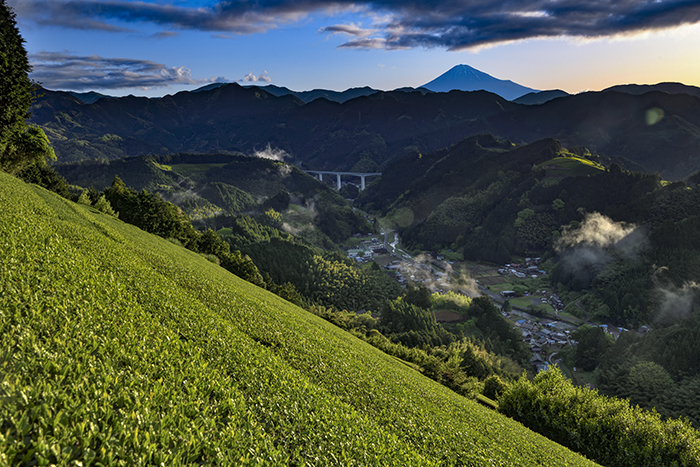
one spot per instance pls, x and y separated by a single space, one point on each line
118 347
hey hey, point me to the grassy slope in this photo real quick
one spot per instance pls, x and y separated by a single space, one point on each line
119 347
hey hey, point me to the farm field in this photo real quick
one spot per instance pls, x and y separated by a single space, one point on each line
571 165
118 347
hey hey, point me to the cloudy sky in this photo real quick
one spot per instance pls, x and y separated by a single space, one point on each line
153 48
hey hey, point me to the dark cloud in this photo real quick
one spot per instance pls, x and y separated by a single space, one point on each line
165 34
234 16
347 29
57 70
451 24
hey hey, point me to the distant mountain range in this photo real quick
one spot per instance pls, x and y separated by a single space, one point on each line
540 97
459 77
306 96
669 88
362 129
88 97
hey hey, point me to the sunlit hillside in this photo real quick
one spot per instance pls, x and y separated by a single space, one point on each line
118 347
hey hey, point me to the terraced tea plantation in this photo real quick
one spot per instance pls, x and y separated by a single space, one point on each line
120 348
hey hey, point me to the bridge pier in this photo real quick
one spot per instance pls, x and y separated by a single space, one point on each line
363 176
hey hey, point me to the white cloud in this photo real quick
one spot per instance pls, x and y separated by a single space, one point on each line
263 77
62 70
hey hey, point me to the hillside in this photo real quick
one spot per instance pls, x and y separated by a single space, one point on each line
494 201
536 98
210 188
658 131
172 359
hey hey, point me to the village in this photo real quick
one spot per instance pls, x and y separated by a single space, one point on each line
546 335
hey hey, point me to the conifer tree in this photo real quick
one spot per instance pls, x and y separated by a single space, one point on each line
19 143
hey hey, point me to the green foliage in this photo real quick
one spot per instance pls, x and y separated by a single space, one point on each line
84 199
20 144
401 316
271 218
16 90
450 300
336 219
229 197
279 202
243 267
460 365
607 430
104 206
211 243
523 215
649 379
337 282
46 177
486 323
657 370
151 213
507 307
26 147
212 187
349 191
119 347
418 295
494 387
593 343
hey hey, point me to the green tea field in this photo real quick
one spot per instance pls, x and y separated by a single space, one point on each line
120 348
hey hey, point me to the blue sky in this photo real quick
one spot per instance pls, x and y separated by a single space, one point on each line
152 48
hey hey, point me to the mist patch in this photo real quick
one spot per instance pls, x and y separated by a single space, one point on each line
587 249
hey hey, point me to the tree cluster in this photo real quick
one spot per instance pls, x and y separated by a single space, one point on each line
607 430
658 370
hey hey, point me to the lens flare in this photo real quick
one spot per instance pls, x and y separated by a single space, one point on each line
654 116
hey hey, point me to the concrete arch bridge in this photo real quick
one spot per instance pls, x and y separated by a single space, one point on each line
362 175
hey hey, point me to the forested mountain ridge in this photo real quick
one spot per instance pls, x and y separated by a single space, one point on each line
654 131
485 197
621 248
497 202
210 188
668 87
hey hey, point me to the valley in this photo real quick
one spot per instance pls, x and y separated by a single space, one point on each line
534 310
251 275
489 232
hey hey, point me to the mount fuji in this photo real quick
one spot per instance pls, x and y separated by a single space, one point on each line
466 78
